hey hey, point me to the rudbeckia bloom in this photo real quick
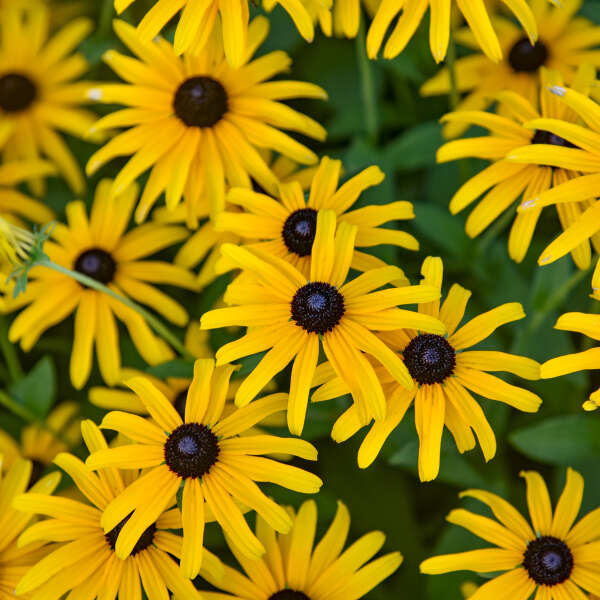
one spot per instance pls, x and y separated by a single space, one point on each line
39 94
552 555
286 227
589 325
410 14
80 557
444 373
15 561
578 195
39 444
565 43
196 122
205 455
15 245
295 569
99 248
292 315
522 156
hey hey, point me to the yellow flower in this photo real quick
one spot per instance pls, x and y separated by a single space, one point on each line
292 315
565 43
99 248
15 560
205 455
578 195
589 325
293 569
285 227
80 557
552 555
39 94
196 122
411 13
443 372
15 245
523 154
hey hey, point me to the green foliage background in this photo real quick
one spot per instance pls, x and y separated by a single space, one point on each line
376 116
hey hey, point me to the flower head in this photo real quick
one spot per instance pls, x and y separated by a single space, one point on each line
552 555
310 572
204 455
196 122
292 315
15 245
444 372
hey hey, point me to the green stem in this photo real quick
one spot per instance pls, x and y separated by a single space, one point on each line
105 19
367 84
494 231
8 350
155 323
454 96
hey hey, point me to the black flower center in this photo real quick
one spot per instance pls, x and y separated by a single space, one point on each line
317 307
527 58
299 231
17 92
144 542
289 595
429 358
180 403
200 102
97 264
548 560
191 450
546 137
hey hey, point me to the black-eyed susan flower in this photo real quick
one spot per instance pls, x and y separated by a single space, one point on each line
197 122
39 93
444 373
578 195
506 181
286 227
552 555
16 561
98 247
40 444
589 325
565 43
80 558
293 568
205 456
406 17
292 316
15 246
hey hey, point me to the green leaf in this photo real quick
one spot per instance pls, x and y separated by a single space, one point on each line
560 440
415 148
36 392
172 368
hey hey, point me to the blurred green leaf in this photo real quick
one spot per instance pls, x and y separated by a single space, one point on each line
37 390
173 368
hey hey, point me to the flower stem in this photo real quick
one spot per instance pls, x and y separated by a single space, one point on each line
8 350
367 84
105 19
155 323
454 96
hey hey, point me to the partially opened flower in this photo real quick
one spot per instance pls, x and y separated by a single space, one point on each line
196 122
405 17
566 42
444 373
293 568
285 227
204 455
292 316
589 325
15 246
39 93
553 555
100 248
524 161
80 558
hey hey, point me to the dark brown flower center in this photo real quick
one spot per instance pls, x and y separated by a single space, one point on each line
144 542
547 137
289 595
527 58
97 264
317 307
200 102
429 358
191 450
17 92
299 231
548 560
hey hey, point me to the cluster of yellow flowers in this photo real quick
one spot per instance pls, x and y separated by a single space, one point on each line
209 124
